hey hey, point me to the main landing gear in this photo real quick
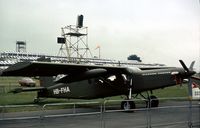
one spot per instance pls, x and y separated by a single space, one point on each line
151 102
128 104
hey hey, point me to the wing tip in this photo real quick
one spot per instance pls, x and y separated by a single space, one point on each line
11 70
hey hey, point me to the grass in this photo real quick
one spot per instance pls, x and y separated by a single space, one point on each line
174 91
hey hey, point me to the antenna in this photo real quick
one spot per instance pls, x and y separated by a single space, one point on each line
79 23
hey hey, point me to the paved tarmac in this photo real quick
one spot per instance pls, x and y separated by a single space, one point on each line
170 114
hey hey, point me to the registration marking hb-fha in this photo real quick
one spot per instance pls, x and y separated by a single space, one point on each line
62 90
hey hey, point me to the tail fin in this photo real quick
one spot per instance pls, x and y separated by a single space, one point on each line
46 81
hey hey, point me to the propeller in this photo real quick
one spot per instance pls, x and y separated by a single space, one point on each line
187 75
184 66
188 71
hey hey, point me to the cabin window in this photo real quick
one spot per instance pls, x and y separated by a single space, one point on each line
99 82
112 78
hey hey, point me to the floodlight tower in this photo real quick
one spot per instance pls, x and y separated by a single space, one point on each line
74 40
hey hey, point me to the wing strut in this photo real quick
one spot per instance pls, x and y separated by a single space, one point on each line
130 90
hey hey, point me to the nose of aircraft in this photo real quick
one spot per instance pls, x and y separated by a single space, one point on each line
188 71
191 73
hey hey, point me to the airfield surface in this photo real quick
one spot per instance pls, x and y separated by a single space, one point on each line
170 114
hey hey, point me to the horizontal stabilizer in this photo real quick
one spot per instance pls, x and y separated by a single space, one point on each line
19 90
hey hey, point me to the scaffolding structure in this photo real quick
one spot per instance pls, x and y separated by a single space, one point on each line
74 41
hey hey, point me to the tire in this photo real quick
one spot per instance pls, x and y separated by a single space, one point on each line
36 100
127 105
154 101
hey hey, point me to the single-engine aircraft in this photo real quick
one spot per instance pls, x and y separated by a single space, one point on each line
92 81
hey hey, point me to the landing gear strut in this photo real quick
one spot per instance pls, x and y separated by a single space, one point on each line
128 104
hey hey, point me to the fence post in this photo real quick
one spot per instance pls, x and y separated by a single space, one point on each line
190 114
42 115
101 116
2 111
148 113
74 108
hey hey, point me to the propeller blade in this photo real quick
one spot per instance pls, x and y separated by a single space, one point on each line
192 65
184 66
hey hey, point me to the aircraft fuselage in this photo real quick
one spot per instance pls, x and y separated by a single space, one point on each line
101 87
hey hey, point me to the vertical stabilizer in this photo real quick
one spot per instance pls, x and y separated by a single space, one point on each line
46 81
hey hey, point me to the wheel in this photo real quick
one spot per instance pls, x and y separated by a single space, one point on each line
127 105
36 100
153 100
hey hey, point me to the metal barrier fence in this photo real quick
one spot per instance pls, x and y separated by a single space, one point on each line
72 109
17 112
173 112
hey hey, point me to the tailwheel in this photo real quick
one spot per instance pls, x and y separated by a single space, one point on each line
36 100
127 105
152 101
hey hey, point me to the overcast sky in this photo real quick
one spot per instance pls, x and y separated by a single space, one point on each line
159 31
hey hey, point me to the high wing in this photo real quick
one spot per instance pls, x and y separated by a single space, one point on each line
53 69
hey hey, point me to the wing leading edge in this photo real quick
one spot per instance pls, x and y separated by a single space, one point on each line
53 69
